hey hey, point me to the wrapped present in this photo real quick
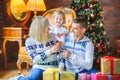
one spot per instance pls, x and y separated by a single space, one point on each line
115 77
97 76
51 74
65 75
83 76
110 65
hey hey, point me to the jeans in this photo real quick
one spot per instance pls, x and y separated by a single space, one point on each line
35 74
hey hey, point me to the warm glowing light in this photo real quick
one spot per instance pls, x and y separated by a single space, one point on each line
18 6
36 5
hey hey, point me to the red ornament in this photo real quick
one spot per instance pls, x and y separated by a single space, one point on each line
75 9
98 60
89 0
92 16
105 50
91 29
101 7
94 24
83 5
69 6
94 44
100 41
101 14
95 1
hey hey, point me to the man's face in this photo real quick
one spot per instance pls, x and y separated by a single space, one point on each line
77 30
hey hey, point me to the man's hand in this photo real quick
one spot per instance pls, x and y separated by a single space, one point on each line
66 54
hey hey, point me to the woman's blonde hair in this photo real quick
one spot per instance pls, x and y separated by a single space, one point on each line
58 11
38 29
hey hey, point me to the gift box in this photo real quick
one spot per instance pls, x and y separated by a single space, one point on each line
110 65
115 77
51 74
65 75
83 76
96 76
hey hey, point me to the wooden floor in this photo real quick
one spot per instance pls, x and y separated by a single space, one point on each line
11 71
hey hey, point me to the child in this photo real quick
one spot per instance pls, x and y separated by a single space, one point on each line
57 28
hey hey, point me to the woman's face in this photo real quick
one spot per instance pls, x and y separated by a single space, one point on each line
47 31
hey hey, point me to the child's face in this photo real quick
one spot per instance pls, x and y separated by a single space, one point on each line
58 20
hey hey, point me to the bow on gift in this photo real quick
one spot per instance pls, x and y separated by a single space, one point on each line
111 60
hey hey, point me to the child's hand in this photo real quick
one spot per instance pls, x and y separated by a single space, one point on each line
54 49
64 33
59 35
59 43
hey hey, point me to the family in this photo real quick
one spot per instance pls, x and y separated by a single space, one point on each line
74 52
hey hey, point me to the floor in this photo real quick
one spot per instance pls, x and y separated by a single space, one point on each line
11 71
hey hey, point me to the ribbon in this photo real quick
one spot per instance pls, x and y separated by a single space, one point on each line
111 60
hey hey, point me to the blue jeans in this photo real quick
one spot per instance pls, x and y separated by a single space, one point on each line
89 71
35 74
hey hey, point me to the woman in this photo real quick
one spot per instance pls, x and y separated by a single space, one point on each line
41 48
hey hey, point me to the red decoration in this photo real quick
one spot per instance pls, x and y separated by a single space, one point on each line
75 9
101 7
91 28
69 6
95 1
100 41
92 16
83 5
94 44
110 58
98 61
101 15
93 24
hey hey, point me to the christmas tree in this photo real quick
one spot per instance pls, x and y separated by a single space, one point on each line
93 12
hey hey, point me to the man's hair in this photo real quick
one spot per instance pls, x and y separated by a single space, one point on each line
82 21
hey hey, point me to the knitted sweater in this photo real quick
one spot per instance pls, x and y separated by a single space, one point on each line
40 53
81 53
58 30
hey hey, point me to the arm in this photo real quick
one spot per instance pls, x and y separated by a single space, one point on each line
32 48
34 51
86 63
61 63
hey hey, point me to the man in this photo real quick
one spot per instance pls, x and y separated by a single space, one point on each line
79 48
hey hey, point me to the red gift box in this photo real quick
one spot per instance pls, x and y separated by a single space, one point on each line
97 76
83 76
115 77
110 65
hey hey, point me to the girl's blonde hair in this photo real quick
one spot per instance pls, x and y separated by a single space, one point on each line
38 29
58 11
